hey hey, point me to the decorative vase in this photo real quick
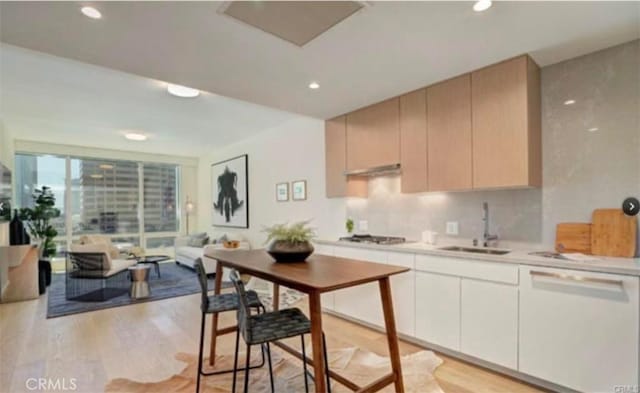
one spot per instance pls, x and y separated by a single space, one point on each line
287 252
45 266
17 233
42 277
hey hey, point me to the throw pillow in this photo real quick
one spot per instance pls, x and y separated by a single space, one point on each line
220 240
114 252
198 241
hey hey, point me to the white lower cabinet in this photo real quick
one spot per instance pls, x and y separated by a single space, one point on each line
323 249
328 299
576 329
403 292
438 309
363 301
579 329
489 324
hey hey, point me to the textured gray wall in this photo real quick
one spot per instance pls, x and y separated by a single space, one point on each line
582 170
586 170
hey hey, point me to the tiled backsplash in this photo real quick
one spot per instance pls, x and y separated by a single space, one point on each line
514 214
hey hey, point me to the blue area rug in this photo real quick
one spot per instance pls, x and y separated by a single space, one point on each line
175 280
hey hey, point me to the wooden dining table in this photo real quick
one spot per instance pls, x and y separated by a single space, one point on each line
317 275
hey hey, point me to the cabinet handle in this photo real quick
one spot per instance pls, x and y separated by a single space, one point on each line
577 278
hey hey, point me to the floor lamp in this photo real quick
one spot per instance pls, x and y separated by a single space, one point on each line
189 207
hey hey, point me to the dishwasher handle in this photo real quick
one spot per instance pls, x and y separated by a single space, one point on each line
568 277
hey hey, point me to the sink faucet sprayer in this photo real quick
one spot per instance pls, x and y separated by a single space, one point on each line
485 219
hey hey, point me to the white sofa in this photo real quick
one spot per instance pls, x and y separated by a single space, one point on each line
187 255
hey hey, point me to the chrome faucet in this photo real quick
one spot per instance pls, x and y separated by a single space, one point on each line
485 219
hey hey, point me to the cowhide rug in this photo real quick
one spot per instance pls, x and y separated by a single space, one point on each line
358 365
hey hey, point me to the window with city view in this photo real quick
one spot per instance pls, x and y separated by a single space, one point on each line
132 202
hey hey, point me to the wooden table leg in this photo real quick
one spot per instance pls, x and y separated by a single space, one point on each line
315 311
276 297
214 325
392 334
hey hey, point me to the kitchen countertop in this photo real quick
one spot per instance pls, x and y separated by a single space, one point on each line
626 266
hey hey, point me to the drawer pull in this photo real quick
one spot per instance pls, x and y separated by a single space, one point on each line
577 278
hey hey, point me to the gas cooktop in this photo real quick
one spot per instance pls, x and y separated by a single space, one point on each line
373 239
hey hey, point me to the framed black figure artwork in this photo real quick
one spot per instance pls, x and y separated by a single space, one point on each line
230 181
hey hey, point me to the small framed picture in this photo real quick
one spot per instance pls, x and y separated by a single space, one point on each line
299 190
282 192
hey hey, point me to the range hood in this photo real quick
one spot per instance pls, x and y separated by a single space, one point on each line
391 169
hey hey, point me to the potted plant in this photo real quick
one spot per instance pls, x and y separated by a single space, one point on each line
290 243
38 220
349 225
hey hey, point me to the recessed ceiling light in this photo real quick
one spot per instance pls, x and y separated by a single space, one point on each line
482 5
570 102
593 129
133 136
182 91
314 85
105 166
96 176
91 12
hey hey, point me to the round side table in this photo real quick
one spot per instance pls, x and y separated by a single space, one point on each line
139 281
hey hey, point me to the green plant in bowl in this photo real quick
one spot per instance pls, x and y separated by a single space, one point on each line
290 242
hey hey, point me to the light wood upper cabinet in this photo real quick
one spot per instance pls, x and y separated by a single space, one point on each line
506 124
480 130
373 135
337 184
413 141
449 134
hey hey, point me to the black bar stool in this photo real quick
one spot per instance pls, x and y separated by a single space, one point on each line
262 329
220 303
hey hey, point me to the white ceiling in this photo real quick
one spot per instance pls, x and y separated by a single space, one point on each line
386 49
51 99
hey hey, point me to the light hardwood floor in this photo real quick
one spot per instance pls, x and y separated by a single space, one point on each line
139 342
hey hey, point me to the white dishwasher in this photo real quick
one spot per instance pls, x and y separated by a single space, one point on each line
579 329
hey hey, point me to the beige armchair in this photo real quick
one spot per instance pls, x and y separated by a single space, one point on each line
109 265
92 275
112 250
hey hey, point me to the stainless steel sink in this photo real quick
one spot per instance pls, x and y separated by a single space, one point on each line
490 251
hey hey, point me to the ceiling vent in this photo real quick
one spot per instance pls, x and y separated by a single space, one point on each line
295 21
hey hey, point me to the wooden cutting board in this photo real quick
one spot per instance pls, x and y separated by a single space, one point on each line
613 233
573 237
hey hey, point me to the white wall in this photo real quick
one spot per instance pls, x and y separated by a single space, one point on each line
6 146
6 158
291 151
